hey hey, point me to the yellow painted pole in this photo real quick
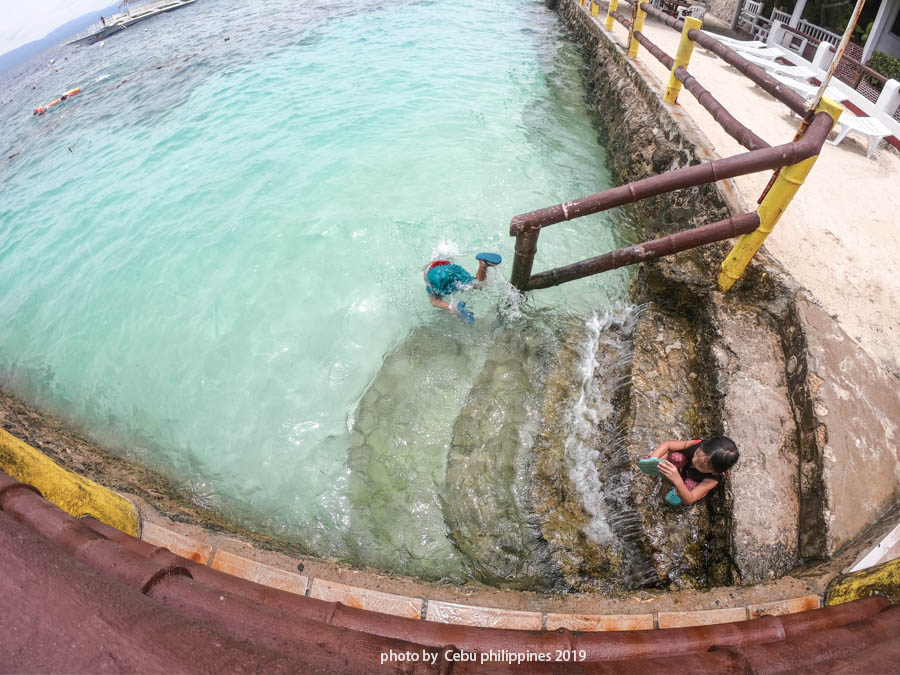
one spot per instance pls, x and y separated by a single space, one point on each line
613 7
636 25
770 210
595 8
682 58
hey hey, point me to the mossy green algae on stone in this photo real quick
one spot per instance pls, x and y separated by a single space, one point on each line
487 500
396 462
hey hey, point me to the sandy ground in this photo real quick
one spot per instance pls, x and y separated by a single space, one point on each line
840 237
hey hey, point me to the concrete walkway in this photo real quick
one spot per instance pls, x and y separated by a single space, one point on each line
840 237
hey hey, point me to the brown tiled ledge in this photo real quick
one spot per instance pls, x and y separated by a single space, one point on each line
453 612
362 598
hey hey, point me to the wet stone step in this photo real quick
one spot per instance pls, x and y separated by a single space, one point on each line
487 500
581 475
664 405
397 458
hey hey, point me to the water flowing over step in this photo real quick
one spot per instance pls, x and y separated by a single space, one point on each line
581 474
512 463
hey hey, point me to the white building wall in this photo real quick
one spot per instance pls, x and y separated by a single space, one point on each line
885 39
723 9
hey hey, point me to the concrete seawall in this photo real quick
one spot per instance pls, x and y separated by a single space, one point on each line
764 364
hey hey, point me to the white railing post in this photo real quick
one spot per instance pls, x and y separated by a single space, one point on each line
824 54
889 98
778 15
774 34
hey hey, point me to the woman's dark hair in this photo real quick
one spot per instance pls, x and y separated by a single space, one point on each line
722 452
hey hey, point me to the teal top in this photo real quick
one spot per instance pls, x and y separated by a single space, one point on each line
447 279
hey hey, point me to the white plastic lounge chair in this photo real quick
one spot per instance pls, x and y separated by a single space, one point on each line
869 127
808 91
731 42
772 67
770 53
697 11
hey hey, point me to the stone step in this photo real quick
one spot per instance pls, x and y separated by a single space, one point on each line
487 501
398 454
762 492
847 410
664 405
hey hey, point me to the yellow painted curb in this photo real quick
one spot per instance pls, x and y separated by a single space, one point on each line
74 494
881 580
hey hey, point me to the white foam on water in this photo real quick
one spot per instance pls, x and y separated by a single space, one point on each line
445 250
510 299
593 407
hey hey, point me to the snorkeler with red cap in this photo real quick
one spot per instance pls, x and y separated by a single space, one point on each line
442 278
41 109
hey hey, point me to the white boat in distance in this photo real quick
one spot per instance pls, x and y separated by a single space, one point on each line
135 11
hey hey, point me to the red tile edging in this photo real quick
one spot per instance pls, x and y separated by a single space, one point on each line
450 612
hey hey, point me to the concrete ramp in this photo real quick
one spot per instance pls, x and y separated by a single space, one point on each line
849 420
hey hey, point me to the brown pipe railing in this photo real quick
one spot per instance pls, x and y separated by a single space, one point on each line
759 76
526 227
762 156
651 47
720 114
668 245
691 176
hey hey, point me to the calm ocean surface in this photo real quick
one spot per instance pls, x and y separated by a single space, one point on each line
207 255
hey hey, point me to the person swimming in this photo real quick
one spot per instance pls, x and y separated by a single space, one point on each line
443 278
40 110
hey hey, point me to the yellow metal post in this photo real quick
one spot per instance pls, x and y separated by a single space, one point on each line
613 7
595 8
682 58
637 25
770 210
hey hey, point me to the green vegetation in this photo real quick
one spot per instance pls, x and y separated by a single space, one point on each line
831 14
885 64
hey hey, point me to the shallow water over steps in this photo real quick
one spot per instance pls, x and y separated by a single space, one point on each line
532 415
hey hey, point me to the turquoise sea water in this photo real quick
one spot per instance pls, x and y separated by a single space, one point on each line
206 257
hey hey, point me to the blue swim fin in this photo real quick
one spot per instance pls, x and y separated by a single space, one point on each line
465 314
650 466
490 259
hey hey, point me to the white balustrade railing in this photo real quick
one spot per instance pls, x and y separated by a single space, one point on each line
783 17
818 33
753 7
